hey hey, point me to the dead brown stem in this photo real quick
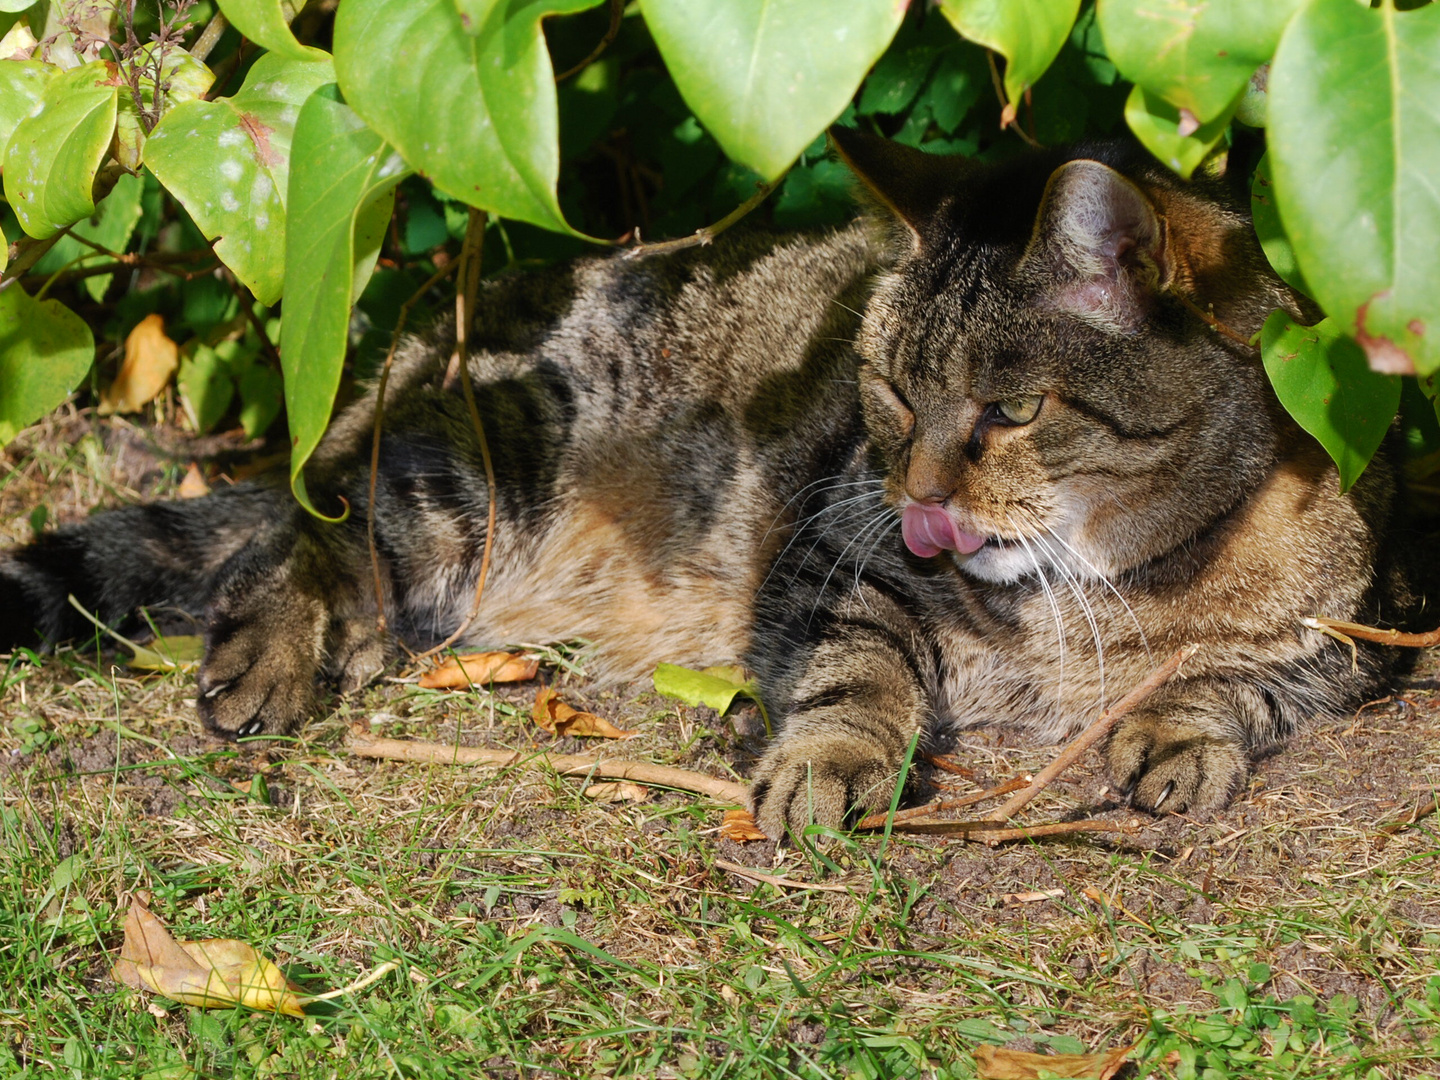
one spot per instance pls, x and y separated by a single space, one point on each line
990 831
1096 731
617 12
877 821
1423 809
361 742
1372 633
1211 321
781 882
704 235
945 763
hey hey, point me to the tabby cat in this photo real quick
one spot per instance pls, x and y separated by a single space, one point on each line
968 460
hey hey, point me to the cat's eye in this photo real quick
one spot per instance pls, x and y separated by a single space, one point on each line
1020 410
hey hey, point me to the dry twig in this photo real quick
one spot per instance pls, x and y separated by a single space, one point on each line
990 831
360 741
1423 809
1344 631
705 235
877 821
782 882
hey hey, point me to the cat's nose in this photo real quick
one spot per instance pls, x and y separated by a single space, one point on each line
928 480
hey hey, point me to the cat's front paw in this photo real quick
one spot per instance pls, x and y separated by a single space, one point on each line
819 779
1173 766
258 676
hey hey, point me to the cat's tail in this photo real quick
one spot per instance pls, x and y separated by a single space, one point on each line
162 556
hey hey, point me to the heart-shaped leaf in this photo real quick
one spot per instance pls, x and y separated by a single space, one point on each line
55 150
1321 378
465 92
765 78
264 22
22 84
1028 33
45 350
1354 138
228 162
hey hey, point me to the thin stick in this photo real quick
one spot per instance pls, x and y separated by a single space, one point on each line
1096 731
361 742
430 283
1007 108
209 37
359 984
1211 321
464 308
877 821
781 882
1423 809
706 234
945 763
995 832
617 12
1375 634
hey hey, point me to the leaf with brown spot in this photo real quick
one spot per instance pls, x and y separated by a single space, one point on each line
612 791
480 669
560 719
216 974
739 825
998 1063
150 359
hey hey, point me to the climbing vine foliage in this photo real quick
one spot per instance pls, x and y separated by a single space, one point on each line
264 159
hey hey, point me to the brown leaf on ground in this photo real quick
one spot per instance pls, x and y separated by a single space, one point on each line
739 825
609 791
998 1063
216 974
559 719
150 359
480 669
194 485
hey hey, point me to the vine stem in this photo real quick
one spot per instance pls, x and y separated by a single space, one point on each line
1211 321
705 235
460 367
400 320
617 12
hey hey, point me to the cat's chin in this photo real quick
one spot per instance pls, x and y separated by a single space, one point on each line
999 565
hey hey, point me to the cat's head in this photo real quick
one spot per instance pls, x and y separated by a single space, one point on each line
1037 389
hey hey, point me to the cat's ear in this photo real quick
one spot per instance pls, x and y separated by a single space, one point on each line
1102 244
911 185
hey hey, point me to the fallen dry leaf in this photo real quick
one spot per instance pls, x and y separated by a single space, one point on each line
556 717
739 825
150 359
480 669
998 1063
1033 897
215 974
617 791
194 485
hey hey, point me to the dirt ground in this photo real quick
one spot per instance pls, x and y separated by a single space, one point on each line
1296 872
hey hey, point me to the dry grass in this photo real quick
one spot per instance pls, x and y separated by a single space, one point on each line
539 932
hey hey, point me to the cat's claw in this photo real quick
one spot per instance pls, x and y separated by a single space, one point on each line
817 780
1179 766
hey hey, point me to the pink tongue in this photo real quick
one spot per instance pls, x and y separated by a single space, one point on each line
929 530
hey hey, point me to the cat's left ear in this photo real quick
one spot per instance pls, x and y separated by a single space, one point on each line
912 186
1101 244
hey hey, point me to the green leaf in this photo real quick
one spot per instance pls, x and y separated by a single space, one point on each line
1354 137
1270 231
53 154
716 687
184 79
766 77
178 651
22 85
465 92
264 22
1321 378
1196 54
1028 33
342 187
205 387
261 392
1158 124
45 350
228 162
111 226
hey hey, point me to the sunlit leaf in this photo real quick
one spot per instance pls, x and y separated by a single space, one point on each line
343 182
1269 230
22 85
150 359
765 78
481 669
739 825
559 719
1196 54
1028 33
45 350
1321 378
716 687
176 652
228 162
495 141
55 150
1354 138
1167 134
184 79
264 22
110 226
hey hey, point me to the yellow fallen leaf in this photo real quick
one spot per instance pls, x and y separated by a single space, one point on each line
150 359
998 1063
608 791
216 974
178 651
556 717
739 825
480 669
194 485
